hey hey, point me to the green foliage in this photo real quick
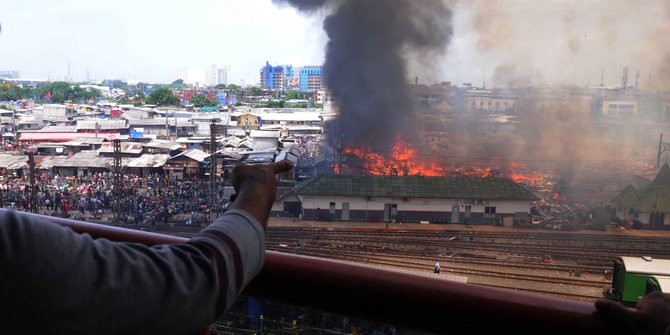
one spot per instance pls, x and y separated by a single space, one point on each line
178 84
123 100
138 98
162 97
61 92
289 95
254 91
14 93
275 104
200 100
116 83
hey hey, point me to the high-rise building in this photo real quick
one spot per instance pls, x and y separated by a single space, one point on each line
68 69
211 76
311 78
222 76
276 78
191 76
10 74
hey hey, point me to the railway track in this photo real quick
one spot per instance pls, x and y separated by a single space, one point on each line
533 262
521 282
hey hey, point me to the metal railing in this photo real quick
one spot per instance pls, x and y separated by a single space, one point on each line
417 302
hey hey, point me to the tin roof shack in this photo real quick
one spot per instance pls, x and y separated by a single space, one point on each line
71 147
647 205
82 163
30 123
194 142
237 144
147 164
264 139
56 114
412 198
128 149
161 127
63 134
95 126
13 164
163 147
190 164
246 120
226 161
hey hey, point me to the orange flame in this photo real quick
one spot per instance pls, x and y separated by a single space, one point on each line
403 161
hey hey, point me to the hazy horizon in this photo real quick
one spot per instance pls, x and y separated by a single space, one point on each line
508 42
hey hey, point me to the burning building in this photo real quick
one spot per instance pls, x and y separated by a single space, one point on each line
412 199
648 204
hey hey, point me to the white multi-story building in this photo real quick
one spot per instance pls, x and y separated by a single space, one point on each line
210 76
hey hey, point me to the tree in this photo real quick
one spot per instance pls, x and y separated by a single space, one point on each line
13 92
138 98
275 104
292 94
161 97
200 100
254 90
178 84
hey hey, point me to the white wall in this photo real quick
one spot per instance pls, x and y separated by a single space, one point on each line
414 204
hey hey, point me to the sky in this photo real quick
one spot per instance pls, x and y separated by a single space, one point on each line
508 42
149 40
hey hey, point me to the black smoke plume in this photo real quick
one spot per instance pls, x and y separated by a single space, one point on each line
370 43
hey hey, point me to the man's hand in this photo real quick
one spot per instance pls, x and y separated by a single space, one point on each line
256 187
651 315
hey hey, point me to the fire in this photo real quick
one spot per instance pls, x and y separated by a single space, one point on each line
403 161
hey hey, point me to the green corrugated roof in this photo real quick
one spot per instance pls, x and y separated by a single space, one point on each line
415 187
655 196
628 198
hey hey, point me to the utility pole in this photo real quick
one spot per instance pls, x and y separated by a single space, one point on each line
33 186
118 183
212 168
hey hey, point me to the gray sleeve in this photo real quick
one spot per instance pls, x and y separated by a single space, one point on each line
69 283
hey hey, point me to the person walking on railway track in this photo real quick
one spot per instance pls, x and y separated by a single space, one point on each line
70 283
437 267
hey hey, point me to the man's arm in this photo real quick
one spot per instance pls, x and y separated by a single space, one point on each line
69 283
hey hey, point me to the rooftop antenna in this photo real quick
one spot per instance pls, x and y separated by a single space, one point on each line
484 81
637 79
624 79
602 77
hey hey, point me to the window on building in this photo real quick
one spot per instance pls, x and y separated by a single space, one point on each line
489 210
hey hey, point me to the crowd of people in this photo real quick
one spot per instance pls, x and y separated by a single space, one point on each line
147 200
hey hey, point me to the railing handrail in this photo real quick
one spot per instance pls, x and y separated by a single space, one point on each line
411 301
